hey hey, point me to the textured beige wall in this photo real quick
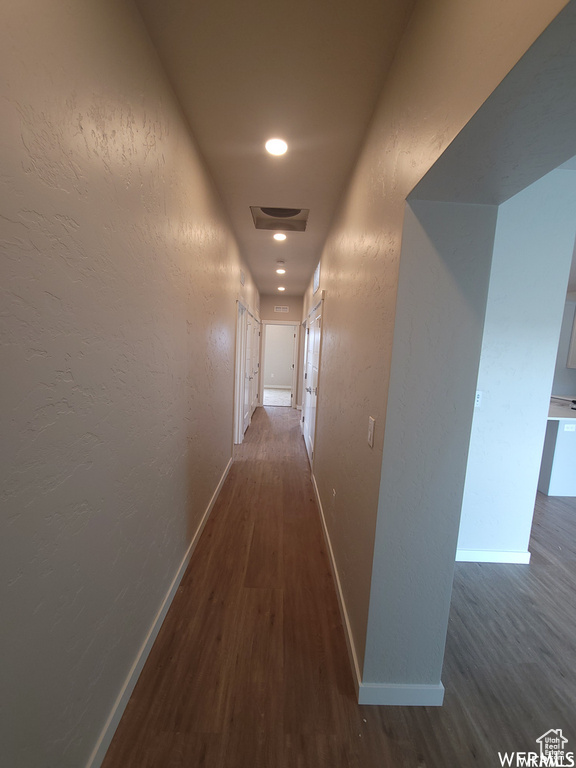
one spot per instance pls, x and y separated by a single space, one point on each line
118 285
453 56
294 304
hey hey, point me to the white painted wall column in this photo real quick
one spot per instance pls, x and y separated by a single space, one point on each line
443 284
532 255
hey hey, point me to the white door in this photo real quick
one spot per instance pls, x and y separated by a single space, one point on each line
255 383
239 377
311 370
305 386
247 371
248 376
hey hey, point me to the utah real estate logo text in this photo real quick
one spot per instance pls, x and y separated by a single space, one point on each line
552 753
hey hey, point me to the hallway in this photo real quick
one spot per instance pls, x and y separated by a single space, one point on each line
250 668
140 208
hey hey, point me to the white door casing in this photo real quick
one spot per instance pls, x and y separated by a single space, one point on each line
311 377
248 374
295 347
247 371
255 366
239 373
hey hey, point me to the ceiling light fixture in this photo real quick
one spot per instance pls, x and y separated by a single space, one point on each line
281 288
279 236
280 271
276 146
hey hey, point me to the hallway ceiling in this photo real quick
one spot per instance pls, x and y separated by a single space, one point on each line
308 72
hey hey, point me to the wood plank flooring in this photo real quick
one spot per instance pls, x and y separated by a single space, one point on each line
250 667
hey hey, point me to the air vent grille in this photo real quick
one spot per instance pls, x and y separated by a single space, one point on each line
281 309
283 219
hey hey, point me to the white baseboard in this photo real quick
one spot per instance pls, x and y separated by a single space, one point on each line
375 693
491 556
401 695
105 738
343 612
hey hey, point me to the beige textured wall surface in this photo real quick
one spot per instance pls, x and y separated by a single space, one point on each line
118 284
294 304
452 57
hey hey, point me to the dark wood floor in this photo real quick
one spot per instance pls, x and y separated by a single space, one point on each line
250 667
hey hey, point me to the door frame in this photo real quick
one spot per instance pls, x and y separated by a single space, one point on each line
240 369
255 360
314 309
239 372
294 384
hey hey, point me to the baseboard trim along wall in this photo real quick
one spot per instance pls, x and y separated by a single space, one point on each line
341 602
491 556
401 695
99 752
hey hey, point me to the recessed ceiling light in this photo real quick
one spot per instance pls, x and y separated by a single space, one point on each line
281 288
276 146
279 236
281 271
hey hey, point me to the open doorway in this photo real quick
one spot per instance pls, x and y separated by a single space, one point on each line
280 348
481 197
527 179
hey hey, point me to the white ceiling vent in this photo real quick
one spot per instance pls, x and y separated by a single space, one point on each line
286 219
